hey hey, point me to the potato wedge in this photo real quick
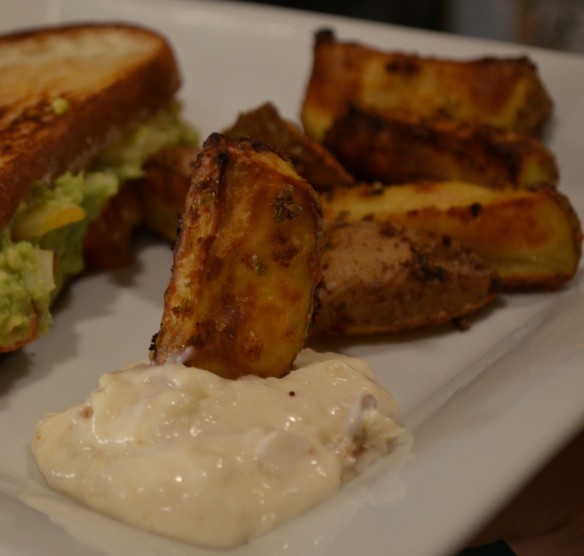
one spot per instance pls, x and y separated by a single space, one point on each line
311 160
504 92
379 278
164 188
399 148
531 237
246 264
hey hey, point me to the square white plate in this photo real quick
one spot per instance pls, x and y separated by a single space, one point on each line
487 406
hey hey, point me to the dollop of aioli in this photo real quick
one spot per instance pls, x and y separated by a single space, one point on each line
187 454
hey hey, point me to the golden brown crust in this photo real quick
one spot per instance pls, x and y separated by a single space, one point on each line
376 277
401 148
111 76
311 160
505 92
246 264
531 237
164 187
379 278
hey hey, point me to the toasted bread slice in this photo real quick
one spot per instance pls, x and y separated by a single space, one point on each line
505 92
66 94
68 91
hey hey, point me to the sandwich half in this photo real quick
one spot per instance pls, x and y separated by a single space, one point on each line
81 108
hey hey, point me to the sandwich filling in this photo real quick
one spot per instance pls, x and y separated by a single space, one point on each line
44 242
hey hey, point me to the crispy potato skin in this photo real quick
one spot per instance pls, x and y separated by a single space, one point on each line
164 188
399 148
246 264
531 237
155 201
311 160
504 92
379 278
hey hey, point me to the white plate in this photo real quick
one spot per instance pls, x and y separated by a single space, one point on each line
487 406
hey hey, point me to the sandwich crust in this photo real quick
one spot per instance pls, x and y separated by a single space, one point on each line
63 97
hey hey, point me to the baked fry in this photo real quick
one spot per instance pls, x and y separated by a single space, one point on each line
532 238
399 148
246 264
379 278
504 92
164 187
311 160
370 269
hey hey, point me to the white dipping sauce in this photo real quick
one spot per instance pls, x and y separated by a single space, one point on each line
185 453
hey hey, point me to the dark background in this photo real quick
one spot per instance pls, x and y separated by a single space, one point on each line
426 14
557 24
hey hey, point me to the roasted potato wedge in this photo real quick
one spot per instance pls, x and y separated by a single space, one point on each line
504 92
311 160
531 237
379 278
400 148
154 201
164 188
246 264
373 264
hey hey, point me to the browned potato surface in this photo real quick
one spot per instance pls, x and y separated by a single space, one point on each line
155 201
532 238
505 92
379 278
399 148
311 160
365 262
246 264
164 188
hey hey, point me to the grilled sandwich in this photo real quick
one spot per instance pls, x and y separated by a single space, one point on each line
81 108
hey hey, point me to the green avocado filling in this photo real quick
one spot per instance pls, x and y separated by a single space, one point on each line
44 242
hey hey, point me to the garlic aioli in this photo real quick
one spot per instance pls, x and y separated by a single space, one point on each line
215 462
